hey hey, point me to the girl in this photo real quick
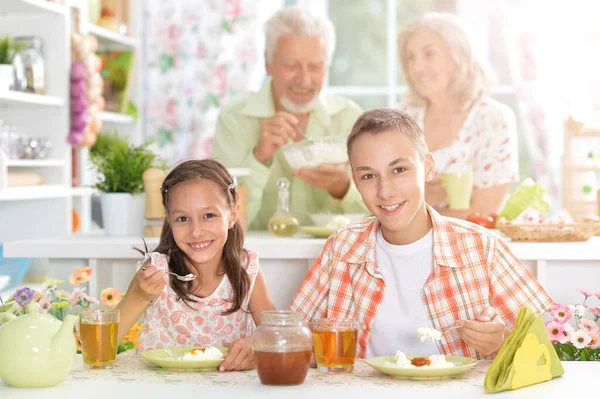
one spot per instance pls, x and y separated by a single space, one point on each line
203 236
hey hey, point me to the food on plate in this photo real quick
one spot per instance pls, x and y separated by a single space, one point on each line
485 221
337 222
428 334
433 361
205 353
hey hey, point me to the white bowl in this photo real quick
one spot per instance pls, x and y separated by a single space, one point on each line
314 152
323 219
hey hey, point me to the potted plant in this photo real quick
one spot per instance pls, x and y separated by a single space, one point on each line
119 166
6 68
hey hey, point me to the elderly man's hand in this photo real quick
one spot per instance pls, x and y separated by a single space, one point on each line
275 133
333 177
486 334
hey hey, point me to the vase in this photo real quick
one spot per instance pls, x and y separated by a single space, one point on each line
122 214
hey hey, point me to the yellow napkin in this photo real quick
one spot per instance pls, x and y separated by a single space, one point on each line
526 358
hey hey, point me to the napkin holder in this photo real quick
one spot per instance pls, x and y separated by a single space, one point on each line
526 358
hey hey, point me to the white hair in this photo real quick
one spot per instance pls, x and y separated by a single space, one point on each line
299 22
473 77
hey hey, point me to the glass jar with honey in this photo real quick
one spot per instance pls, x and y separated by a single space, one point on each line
282 346
283 223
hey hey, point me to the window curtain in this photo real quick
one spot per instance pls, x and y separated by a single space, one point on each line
198 55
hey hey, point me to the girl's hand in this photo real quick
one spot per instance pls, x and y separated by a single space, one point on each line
240 356
435 194
148 282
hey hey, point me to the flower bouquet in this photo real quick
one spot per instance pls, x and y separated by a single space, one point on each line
579 343
59 302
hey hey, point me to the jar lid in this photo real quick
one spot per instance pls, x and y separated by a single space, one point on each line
282 317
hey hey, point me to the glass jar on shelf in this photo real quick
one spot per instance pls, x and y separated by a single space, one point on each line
28 63
282 346
283 223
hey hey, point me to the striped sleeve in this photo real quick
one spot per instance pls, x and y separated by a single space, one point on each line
512 286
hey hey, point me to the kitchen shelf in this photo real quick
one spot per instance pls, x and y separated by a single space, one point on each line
108 40
82 191
34 163
113 117
34 192
31 7
19 98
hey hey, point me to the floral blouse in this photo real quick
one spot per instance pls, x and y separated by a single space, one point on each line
169 322
486 144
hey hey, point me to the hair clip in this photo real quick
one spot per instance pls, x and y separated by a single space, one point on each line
164 190
232 187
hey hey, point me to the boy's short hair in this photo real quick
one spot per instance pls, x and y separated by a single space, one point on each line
381 120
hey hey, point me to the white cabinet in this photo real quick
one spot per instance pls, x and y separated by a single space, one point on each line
46 210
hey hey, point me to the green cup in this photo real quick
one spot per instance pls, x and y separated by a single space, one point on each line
458 186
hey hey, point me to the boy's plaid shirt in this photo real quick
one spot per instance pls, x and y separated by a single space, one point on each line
473 269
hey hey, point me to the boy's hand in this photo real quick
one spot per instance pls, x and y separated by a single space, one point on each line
148 282
485 334
240 356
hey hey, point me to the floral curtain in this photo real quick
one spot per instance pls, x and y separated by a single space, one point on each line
555 73
198 55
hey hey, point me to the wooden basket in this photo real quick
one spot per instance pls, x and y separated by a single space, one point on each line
579 231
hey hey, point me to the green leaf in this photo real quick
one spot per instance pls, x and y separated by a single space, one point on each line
164 137
585 356
227 27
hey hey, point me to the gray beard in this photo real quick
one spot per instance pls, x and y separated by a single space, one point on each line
289 106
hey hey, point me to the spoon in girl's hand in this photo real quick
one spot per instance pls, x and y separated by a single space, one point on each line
187 277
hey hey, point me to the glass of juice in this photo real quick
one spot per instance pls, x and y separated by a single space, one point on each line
98 332
335 343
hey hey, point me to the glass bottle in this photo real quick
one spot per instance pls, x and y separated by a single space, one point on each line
283 223
282 346
28 63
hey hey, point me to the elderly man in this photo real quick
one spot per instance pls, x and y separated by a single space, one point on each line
251 130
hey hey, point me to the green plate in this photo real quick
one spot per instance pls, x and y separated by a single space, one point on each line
462 364
168 358
318 231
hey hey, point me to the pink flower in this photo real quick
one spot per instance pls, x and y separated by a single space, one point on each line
568 331
44 304
597 295
580 339
561 313
595 311
585 292
589 326
595 342
555 332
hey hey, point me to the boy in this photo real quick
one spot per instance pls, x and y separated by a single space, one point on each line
409 267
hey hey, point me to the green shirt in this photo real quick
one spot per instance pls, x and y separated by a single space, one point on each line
237 133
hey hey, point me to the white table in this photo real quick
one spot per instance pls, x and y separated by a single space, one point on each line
560 267
134 378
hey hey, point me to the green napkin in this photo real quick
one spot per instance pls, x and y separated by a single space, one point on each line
500 375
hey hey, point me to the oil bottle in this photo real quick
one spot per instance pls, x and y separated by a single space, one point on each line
282 223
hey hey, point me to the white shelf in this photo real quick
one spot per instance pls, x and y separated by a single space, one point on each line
112 41
34 192
35 163
113 117
19 98
32 7
585 168
82 191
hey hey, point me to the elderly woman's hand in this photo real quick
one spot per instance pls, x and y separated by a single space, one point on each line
435 194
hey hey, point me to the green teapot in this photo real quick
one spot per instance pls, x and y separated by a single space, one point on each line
36 350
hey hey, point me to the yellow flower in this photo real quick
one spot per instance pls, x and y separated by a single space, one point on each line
80 276
52 283
110 297
133 335
59 305
62 294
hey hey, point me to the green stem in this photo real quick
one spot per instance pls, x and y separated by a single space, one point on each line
4 306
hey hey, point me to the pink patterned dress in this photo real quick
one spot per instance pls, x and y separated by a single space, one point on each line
169 322
486 144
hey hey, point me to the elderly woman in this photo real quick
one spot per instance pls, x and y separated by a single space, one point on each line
464 128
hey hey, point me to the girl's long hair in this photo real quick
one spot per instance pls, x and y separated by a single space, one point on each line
234 254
